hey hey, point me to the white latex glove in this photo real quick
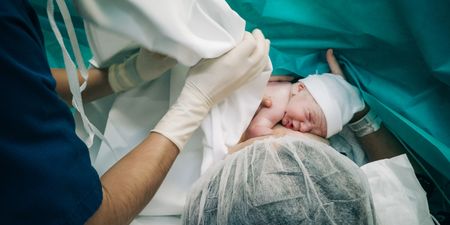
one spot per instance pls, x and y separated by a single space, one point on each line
209 82
138 69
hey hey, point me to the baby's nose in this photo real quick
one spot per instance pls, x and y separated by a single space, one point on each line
305 127
284 120
287 123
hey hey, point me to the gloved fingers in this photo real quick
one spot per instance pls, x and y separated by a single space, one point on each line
146 56
150 65
261 61
150 54
121 77
166 63
261 49
154 56
267 46
266 49
333 64
265 56
244 49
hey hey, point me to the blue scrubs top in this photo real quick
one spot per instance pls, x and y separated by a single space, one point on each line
46 175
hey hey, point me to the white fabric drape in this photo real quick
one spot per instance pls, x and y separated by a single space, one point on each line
187 30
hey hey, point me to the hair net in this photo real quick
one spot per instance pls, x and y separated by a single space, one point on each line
285 180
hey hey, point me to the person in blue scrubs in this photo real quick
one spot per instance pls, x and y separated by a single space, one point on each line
41 158
45 170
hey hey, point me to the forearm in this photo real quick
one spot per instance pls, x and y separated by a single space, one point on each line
131 183
97 87
381 144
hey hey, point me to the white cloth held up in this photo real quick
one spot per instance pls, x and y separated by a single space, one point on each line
186 30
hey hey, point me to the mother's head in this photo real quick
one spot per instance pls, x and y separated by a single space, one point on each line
281 180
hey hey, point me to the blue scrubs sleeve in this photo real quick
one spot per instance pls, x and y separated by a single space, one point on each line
45 170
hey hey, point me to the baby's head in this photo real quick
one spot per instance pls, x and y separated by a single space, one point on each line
303 113
320 104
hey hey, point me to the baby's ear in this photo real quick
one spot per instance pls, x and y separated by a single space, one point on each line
333 64
301 86
297 87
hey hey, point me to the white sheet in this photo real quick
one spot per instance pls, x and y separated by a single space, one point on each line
397 195
187 30
345 143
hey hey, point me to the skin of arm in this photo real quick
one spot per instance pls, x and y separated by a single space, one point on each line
98 85
378 145
131 183
381 144
266 118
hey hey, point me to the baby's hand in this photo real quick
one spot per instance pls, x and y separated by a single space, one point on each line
267 117
266 102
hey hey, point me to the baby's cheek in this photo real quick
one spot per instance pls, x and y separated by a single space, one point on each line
321 124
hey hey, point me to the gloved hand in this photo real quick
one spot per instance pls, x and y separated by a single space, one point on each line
209 82
138 69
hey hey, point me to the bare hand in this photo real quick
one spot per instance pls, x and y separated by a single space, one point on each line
333 64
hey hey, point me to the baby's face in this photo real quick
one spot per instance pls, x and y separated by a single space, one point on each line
303 113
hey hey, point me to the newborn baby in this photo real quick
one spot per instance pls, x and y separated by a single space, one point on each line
317 104
294 106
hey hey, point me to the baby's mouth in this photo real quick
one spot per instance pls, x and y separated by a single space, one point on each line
295 125
291 124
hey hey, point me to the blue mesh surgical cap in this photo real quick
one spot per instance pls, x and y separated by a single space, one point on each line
283 180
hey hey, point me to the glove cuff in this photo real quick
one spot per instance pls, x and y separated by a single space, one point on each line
182 119
124 76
